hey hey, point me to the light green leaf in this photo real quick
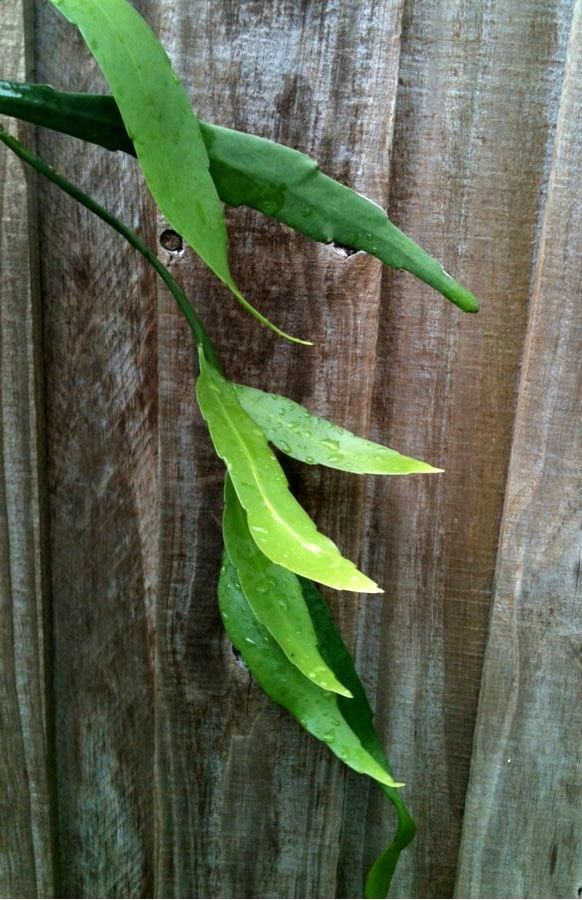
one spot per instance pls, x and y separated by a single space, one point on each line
278 524
317 710
158 117
275 597
300 434
251 171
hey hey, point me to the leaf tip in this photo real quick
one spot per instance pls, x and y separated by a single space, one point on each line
344 692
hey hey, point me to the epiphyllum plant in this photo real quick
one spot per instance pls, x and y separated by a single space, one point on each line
272 611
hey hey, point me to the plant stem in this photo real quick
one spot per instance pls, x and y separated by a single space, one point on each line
190 314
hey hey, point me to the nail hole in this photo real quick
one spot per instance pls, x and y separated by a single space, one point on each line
171 241
343 251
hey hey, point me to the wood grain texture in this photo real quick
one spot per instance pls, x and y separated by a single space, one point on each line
467 172
101 390
235 773
26 845
175 776
521 836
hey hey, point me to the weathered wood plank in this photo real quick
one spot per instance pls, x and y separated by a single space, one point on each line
248 804
473 119
245 804
521 836
100 350
26 849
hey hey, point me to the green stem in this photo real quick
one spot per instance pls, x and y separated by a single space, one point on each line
191 316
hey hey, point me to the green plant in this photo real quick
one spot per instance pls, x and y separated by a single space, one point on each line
271 609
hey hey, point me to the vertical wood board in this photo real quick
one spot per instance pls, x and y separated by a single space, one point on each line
247 802
521 835
101 415
467 172
26 841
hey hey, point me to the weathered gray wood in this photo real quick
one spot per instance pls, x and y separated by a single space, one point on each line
521 835
26 851
100 351
473 119
176 777
248 804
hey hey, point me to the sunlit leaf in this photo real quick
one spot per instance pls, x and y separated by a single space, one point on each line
317 710
275 597
251 171
158 116
278 524
300 434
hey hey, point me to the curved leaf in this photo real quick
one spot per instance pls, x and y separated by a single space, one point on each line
316 710
165 131
278 524
300 434
252 171
275 597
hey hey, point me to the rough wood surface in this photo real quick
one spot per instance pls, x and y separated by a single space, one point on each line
467 172
101 420
235 773
26 862
522 836
175 777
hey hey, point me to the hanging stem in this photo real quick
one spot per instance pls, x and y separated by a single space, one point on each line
190 314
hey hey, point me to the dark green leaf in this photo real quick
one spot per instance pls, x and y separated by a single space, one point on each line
251 171
359 717
317 710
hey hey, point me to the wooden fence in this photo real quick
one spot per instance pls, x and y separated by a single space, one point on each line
138 759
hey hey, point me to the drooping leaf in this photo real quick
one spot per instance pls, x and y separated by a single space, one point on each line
300 434
278 524
165 131
317 710
252 171
275 597
358 715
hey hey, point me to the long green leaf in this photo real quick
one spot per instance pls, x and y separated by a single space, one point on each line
359 716
300 434
165 131
251 171
317 710
278 524
275 597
